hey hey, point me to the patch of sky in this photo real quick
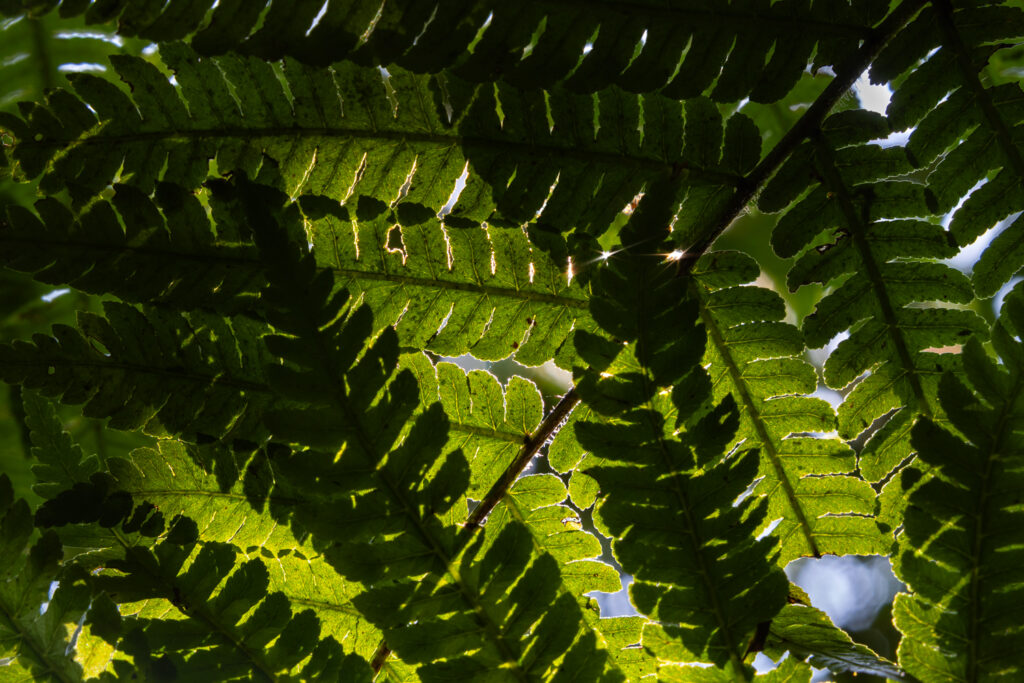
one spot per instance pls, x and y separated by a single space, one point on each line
80 67
50 296
113 39
616 604
851 590
318 17
997 300
876 97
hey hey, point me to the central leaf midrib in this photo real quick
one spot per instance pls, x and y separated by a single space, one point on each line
858 226
740 387
452 140
215 258
690 532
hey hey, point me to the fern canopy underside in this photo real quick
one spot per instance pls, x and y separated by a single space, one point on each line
241 244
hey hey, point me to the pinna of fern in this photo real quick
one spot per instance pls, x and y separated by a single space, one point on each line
961 541
534 45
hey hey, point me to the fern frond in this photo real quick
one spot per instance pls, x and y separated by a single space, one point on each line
335 132
227 505
492 293
332 132
965 132
450 287
34 640
756 358
199 375
487 423
697 569
962 534
888 265
495 429
809 634
741 48
457 609
158 251
35 50
225 625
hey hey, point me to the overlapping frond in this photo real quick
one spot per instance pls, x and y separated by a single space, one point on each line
809 634
738 48
809 480
856 228
698 571
204 612
199 375
225 504
965 124
960 550
161 250
33 637
352 131
457 604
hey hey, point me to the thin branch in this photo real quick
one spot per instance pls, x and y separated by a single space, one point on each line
476 520
531 446
748 188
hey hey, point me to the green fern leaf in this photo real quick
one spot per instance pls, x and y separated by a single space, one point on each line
342 136
36 50
166 252
230 506
864 215
451 287
809 634
962 527
455 608
34 640
760 48
754 357
233 628
138 380
963 129
657 487
61 463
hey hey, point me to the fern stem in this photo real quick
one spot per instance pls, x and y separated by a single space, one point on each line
41 54
750 405
531 446
379 657
858 223
476 520
944 15
805 127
